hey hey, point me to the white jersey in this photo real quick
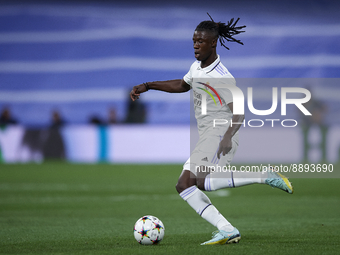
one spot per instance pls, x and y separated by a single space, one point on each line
210 100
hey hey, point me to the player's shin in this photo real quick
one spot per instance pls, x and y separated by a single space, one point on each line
202 205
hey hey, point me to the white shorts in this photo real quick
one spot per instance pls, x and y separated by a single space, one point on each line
205 153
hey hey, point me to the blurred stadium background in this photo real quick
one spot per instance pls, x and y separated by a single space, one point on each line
66 69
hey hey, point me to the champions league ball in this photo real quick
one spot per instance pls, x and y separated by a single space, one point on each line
148 230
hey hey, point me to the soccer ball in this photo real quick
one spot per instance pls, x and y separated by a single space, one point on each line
148 230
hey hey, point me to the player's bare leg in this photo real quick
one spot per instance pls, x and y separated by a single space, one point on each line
187 179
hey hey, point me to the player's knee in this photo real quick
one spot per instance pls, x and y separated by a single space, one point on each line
186 180
200 183
202 172
179 187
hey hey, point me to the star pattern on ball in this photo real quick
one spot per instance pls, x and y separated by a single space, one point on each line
158 227
144 233
156 241
145 218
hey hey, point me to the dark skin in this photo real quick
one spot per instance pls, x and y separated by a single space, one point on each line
205 43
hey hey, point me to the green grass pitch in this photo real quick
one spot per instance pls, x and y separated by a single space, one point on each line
59 208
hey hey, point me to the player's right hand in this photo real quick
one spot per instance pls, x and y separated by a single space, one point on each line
225 146
136 91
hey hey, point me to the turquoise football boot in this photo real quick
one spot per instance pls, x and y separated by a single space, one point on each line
223 237
277 180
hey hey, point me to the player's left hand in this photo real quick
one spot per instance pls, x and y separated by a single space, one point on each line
225 146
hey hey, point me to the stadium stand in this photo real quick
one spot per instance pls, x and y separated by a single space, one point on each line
82 58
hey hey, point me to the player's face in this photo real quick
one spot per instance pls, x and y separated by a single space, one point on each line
204 45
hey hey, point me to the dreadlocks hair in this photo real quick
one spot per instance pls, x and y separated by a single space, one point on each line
224 32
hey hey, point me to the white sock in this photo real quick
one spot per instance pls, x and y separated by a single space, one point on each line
234 179
202 205
214 217
246 178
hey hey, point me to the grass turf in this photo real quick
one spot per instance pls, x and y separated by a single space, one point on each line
59 208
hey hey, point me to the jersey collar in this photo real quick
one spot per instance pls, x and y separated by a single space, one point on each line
212 66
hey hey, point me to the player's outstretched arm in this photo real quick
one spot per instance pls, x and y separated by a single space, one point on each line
226 143
171 86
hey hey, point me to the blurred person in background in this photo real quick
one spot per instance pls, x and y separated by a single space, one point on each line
53 146
112 116
136 112
6 118
57 120
95 120
318 109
